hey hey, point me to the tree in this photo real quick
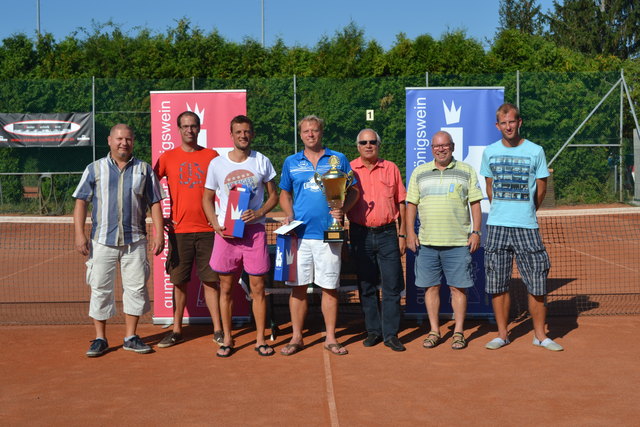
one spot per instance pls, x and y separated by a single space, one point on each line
579 25
10 186
623 19
605 27
521 15
341 56
339 79
18 57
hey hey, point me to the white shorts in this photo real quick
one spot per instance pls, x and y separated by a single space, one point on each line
318 262
101 277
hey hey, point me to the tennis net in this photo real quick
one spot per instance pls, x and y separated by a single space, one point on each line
595 256
595 260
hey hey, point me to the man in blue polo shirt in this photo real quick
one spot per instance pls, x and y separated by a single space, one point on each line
318 261
121 189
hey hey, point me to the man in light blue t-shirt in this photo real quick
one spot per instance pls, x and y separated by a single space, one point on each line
516 173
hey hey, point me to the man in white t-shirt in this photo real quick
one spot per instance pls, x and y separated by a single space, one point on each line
241 166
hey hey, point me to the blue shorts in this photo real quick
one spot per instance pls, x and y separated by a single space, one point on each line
452 261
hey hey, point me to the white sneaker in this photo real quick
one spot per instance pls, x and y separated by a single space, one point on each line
496 343
548 343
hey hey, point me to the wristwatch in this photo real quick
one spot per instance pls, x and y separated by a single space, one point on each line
477 232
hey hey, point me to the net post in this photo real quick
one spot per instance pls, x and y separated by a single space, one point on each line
636 157
622 168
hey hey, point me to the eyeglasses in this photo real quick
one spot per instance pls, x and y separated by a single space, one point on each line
371 141
441 147
189 127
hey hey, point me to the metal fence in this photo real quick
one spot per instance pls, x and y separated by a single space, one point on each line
554 105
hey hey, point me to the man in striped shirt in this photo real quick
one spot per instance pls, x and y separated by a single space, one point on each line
442 191
121 189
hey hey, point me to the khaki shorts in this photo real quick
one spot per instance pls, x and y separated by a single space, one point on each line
102 267
184 249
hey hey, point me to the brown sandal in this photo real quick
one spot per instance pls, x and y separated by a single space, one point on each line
458 342
336 349
432 340
291 349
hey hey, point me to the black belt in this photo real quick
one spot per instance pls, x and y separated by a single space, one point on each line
390 226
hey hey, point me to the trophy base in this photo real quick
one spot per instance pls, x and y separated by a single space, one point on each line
335 236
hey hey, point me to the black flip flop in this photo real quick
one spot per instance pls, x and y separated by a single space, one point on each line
261 350
225 348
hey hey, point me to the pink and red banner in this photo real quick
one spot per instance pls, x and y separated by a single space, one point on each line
215 110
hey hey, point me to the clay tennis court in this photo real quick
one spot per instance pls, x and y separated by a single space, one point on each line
46 378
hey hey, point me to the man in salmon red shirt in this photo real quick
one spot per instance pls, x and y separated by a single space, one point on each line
377 224
190 234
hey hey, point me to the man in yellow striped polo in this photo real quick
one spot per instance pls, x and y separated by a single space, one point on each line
441 191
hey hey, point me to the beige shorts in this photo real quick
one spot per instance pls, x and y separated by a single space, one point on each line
101 277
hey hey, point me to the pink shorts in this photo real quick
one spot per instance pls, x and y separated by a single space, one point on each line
248 252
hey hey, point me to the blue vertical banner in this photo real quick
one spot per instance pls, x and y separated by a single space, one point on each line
469 115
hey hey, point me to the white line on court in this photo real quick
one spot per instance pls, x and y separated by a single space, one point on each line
31 267
587 212
331 396
602 259
597 233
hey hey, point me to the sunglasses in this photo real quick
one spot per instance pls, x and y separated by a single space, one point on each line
371 141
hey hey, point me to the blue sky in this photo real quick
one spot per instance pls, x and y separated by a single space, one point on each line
296 22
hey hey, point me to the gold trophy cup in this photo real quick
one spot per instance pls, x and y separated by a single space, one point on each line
334 185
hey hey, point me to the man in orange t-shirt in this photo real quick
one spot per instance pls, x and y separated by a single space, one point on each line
190 234
376 227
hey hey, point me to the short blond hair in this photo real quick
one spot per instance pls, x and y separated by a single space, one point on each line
312 118
505 109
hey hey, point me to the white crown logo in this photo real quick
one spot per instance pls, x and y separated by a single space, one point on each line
451 115
289 257
198 113
236 212
278 257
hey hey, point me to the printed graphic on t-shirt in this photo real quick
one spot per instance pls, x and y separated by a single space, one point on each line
191 174
511 178
242 177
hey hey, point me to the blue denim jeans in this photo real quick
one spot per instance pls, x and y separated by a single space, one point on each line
377 257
